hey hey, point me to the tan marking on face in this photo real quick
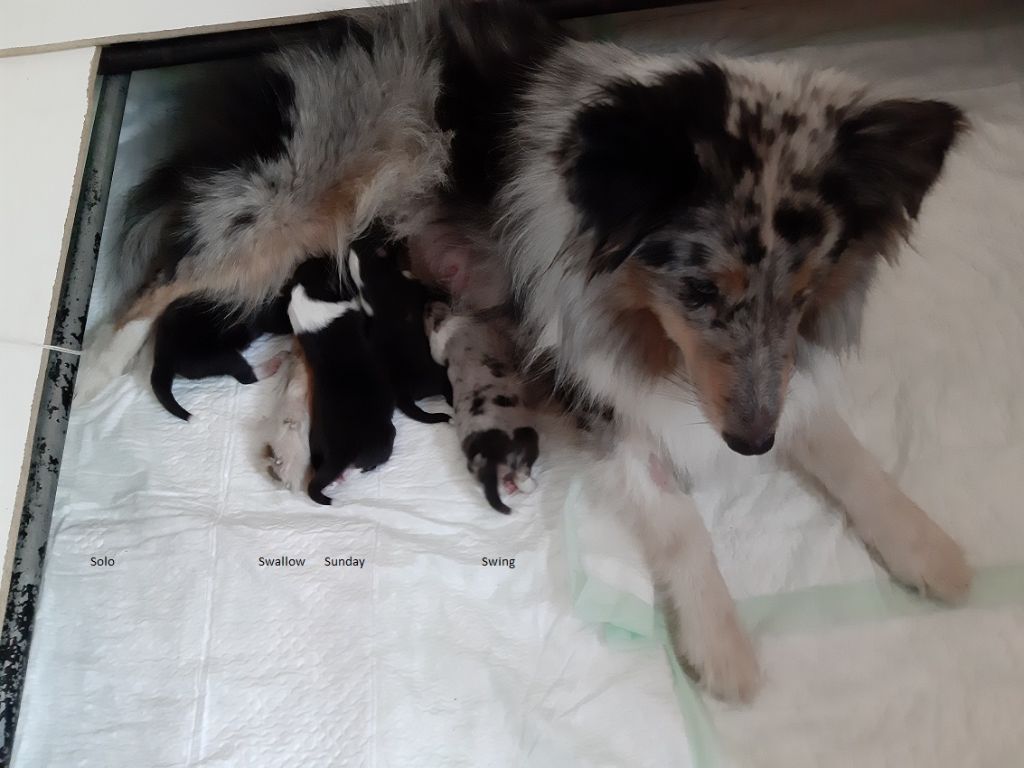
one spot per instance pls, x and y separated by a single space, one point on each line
732 283
802 279
836 284
633 289
633 296
655 352
712 376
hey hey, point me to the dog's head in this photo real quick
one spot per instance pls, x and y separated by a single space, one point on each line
744 204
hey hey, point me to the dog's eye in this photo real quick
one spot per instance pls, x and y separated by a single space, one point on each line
698 293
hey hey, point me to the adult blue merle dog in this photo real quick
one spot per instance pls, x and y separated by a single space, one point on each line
687 242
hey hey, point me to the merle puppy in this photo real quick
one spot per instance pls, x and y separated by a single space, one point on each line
396 301
196 337
351 398
494 426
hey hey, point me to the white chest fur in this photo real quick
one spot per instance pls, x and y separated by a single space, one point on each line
310 316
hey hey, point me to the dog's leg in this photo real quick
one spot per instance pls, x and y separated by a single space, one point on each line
703 620
915 550
109 357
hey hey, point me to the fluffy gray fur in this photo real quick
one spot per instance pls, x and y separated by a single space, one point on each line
364 145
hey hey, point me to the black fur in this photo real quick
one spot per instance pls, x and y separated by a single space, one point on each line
796 223
396 329
197 337
656 254
887 157
352 402
631 161
489 51
488 449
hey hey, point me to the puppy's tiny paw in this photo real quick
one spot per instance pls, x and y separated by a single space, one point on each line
730 670
526 485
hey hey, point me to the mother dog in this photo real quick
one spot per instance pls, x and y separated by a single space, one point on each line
685 242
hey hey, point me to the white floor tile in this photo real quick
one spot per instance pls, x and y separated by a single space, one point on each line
46 103
21 365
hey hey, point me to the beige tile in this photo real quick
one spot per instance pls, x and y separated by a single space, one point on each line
33 23
45 106
21 365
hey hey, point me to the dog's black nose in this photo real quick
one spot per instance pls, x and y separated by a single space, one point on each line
747 447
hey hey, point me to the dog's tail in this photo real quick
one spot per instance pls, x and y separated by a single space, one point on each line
416 413
487 474
325 475
162 380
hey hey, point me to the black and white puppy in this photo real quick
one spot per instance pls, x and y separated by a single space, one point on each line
351 399
494 425
196 337
397 301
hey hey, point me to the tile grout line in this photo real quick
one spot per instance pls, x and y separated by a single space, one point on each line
47 347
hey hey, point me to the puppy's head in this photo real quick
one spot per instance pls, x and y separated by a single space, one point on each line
749 203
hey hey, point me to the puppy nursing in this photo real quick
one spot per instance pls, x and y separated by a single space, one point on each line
687 243
396 301
196 338
351 400
494 425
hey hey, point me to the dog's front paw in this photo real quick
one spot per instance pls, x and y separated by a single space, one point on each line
921 555
721 655
729 670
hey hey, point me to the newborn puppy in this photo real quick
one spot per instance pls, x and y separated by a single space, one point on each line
494 426
397 302
286 427
196 337
352 403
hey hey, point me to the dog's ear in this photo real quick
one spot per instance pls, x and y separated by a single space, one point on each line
630 159
887 156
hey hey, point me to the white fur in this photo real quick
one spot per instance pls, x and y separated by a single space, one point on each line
310 316
286 431
354 272
439 339
659 421
109 357
566 314
914 549
706 629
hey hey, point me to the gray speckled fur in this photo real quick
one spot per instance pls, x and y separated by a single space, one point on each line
480 356
471 345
